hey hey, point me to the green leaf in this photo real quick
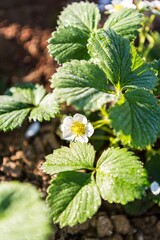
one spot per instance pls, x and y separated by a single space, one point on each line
12 113
77 156
125 22
73 197
141 76
46 109
156 64
75 24
29 93
120 176
112 53
120 62
136 118
68 43
23 214
82 84
82 15
24 100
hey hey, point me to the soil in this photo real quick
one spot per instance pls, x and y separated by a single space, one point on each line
25 26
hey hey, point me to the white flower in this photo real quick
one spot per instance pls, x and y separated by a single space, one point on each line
119 4
150 5
143 5
155 188
76 128
155 5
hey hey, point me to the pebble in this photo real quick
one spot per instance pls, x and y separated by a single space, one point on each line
121 224
139 236
104 226
158 227
77 228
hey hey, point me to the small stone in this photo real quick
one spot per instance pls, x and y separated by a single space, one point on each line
78 228
104 226
158 227
150 220
139 236
121 224
93 221
25 34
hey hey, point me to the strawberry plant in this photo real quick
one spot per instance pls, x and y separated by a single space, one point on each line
104 77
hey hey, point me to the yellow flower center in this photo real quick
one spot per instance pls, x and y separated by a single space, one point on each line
78 128
118 7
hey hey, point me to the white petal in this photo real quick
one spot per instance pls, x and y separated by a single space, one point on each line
128 4
64 127
109 7
155 4
68 135
68 120
89 130
80 118
143 5
81 139
70 138
115 2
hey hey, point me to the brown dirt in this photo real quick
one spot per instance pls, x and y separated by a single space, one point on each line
25 27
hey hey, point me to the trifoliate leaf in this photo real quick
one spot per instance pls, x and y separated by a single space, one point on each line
77 156
82 84
82 15
112 53
136 118
12 113
46 109
23 214
24 100
141 76
73 197
125 22
120 176
68 43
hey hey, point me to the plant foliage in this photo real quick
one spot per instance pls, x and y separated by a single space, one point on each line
82 84
23 101
125 22
22 217
101 72
75 196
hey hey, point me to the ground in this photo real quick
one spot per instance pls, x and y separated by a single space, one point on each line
25 26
